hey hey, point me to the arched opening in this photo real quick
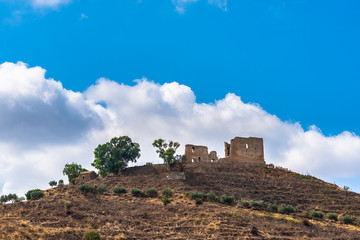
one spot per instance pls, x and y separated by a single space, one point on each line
193 160
193 149
199 159
247 146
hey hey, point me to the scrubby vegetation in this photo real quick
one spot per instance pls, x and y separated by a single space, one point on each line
167 192
137 192
316 214
91 235
243 202
227 199
346 219
284 208
151 192
197 195
332 216
272 207
211 196
101 189
86 188
119 190
256 204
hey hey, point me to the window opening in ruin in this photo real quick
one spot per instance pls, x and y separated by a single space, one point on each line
212 160
83 177
199 159
247 146
192 160
193 149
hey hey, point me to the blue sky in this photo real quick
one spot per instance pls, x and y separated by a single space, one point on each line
297 59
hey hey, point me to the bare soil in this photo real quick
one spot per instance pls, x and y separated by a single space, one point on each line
127 217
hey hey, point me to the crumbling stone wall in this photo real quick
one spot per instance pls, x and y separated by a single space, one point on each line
85 177
195 153
245 150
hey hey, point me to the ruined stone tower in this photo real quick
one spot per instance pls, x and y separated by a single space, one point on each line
195 153
245 150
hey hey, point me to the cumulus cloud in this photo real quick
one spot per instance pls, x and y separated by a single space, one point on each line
43 126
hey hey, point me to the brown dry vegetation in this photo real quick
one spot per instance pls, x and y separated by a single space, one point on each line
127 217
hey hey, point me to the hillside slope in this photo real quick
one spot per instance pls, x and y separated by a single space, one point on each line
127 217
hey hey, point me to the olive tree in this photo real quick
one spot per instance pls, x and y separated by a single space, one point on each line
167 152
115 155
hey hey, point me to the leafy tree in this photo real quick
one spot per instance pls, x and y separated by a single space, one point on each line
72 171
61 183
53 183
12 197
115 155
167 152
4 198
34 194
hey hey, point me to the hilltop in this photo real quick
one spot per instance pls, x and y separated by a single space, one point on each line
127 217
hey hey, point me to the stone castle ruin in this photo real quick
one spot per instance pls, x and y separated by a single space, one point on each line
195 153
247 150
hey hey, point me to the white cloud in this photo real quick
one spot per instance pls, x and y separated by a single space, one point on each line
46 126
48 3
181 5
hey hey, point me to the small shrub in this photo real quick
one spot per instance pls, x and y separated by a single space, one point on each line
316 214
256 204
101 189
166 201
286 209
85 188
145 214
358 221
53 183
61 183
119 190
136 192
211 196
226 199
346 219
91 235
151 192
28 194
243 203
68 205
272 207
197 195
332 216
198 201
148 164
167 192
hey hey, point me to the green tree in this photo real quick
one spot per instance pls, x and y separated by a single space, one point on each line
115 155
72 171
53 183
167 152
4 198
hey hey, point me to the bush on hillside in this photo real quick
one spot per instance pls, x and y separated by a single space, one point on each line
272 207
167 192
286 209
198 201
346 219
316 214
91 235
227 199
197 195
101 189
243 203
166 201
256 204
36 195
119 190
136 192
211 196
332 216
85 188
151 192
